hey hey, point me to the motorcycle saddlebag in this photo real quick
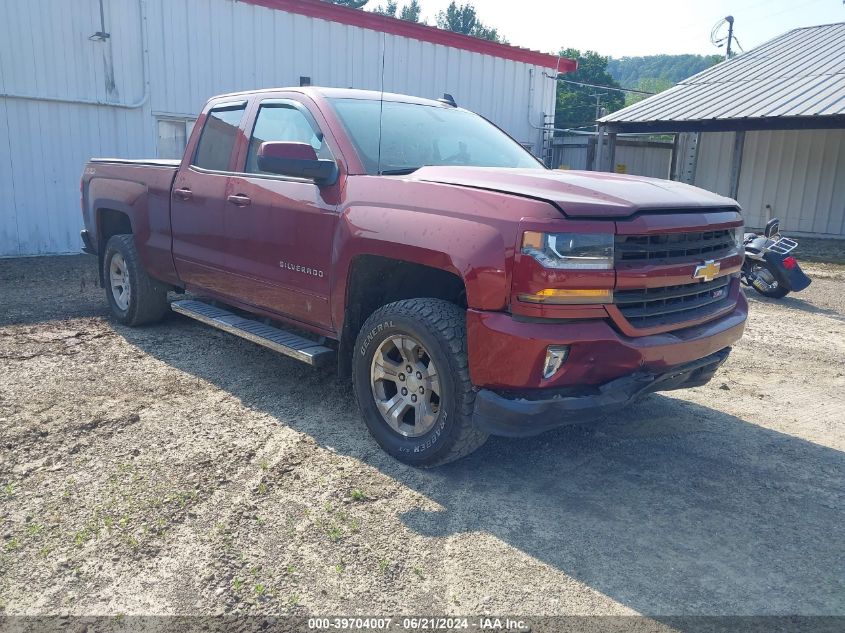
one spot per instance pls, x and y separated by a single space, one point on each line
793 278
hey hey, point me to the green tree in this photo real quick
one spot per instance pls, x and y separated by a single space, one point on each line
352 4
390 10
464 19
576 105
411 12
647 84
630 70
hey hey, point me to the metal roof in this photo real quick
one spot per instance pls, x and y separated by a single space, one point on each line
797 77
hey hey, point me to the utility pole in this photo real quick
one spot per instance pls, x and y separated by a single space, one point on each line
598 97
730 20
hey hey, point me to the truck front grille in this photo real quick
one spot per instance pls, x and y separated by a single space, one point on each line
633 249
670 305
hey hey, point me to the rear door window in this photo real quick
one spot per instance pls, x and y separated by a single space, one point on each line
217 141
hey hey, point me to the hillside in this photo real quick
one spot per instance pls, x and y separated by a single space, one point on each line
630 71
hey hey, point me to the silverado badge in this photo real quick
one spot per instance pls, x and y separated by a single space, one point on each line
707 271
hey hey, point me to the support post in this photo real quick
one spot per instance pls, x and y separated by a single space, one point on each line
599 162
689 158
590 163
611 152
673 161
736 162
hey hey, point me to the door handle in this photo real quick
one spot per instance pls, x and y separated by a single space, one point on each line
239 200
184 193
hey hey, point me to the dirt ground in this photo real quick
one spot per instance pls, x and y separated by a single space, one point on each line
175 469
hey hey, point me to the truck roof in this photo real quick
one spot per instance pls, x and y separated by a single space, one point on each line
340 93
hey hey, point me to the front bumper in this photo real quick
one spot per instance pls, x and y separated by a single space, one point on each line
506 353
524 416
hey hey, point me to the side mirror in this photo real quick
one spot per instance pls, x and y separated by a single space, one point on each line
772 227
298 160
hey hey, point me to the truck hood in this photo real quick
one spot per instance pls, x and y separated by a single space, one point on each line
578 194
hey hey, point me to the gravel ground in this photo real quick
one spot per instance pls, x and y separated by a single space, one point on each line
175 469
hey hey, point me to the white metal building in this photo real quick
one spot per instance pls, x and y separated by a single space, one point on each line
125 78
766 128
634 155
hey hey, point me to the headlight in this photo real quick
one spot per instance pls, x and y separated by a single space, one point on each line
570 250
739 236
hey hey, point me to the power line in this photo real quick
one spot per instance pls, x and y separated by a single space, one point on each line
581 83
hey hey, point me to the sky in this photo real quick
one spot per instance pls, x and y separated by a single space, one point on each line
621 28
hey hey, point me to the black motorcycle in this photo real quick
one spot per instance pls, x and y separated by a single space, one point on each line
768 267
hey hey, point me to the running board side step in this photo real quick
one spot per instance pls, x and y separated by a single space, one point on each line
278 340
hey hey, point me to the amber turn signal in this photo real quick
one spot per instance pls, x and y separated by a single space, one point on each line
569 295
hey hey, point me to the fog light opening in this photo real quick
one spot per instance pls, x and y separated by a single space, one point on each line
555 357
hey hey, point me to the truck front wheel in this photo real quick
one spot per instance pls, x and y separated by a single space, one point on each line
134 297
411 378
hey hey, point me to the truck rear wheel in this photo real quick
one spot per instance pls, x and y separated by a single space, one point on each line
134 297
411 378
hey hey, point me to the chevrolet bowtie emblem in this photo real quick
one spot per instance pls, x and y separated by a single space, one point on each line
707 271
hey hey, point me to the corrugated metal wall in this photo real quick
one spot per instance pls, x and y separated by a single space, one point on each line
195 49
45 53
643 159
571 153
713 167
795 175
633 156
800 175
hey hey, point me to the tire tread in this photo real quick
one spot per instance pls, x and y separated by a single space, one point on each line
448 321
148 301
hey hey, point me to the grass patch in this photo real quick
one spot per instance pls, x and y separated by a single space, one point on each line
80 537
334 533
34 529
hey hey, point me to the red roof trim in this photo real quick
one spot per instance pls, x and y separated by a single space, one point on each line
376 22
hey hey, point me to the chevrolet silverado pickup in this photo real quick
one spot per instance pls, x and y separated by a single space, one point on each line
466 289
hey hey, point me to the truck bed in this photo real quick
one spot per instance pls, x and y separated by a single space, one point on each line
138 189
147 162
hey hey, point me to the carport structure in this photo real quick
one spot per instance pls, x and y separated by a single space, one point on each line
766 128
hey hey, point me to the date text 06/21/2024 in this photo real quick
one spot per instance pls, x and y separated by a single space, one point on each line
484 623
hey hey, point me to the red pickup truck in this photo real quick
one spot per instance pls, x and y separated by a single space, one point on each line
466 289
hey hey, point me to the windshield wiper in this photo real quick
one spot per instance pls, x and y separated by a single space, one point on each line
398 172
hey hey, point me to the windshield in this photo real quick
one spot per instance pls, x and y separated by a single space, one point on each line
414 135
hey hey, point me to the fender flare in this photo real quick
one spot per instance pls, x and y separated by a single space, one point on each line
472 250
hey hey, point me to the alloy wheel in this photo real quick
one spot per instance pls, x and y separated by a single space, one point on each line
405 385
119 280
